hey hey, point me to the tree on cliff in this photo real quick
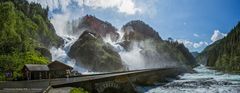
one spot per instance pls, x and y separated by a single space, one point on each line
24 28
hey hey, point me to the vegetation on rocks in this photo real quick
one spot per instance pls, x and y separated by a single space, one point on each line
91 52
78 90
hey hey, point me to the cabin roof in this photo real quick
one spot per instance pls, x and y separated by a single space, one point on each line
36 67
56 65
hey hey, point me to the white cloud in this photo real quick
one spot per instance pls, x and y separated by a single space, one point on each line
200 44
191 44
217 35
196 35
52 4
127 7
123 6
148 7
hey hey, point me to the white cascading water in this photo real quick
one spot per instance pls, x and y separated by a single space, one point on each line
132 59
204 81
63 29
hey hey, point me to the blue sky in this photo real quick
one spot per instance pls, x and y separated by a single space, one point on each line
196 23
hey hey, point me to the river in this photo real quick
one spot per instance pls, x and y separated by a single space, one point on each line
204 81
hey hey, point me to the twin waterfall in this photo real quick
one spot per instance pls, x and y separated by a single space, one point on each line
132 59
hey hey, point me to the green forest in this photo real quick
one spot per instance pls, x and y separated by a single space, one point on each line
24 30
224 54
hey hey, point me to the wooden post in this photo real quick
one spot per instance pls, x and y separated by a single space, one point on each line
46 75
49 78
30 75
27 74
40 75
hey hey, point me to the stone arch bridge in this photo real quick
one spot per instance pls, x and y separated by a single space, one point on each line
114 82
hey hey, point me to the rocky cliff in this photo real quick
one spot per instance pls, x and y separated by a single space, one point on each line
156 51
92 53
96 54
95 25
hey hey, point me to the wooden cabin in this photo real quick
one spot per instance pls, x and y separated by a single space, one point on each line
54 69
59 69
35 71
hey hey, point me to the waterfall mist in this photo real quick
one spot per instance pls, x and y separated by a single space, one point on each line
133 58
141 55
64 21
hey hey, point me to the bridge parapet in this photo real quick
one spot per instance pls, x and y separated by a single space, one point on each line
120 82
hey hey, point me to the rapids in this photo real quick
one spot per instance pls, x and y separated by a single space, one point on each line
204 81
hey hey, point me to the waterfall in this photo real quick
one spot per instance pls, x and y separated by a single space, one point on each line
63 23
132 59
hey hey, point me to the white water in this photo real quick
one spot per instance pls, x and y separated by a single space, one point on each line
132 59
204 81
61 23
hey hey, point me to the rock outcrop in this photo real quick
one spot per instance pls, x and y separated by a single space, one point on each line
138 30
156 52
92 53
95 25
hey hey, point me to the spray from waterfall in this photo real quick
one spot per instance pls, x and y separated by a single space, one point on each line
63 23
141 55
132 59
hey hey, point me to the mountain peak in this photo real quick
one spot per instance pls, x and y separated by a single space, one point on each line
139 30
95 25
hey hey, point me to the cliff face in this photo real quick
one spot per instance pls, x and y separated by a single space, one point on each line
138 30
92 53
25 36
97 26
223 54
156 51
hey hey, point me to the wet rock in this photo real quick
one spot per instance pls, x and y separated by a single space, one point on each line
97 26
138 30
92 53
155 51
